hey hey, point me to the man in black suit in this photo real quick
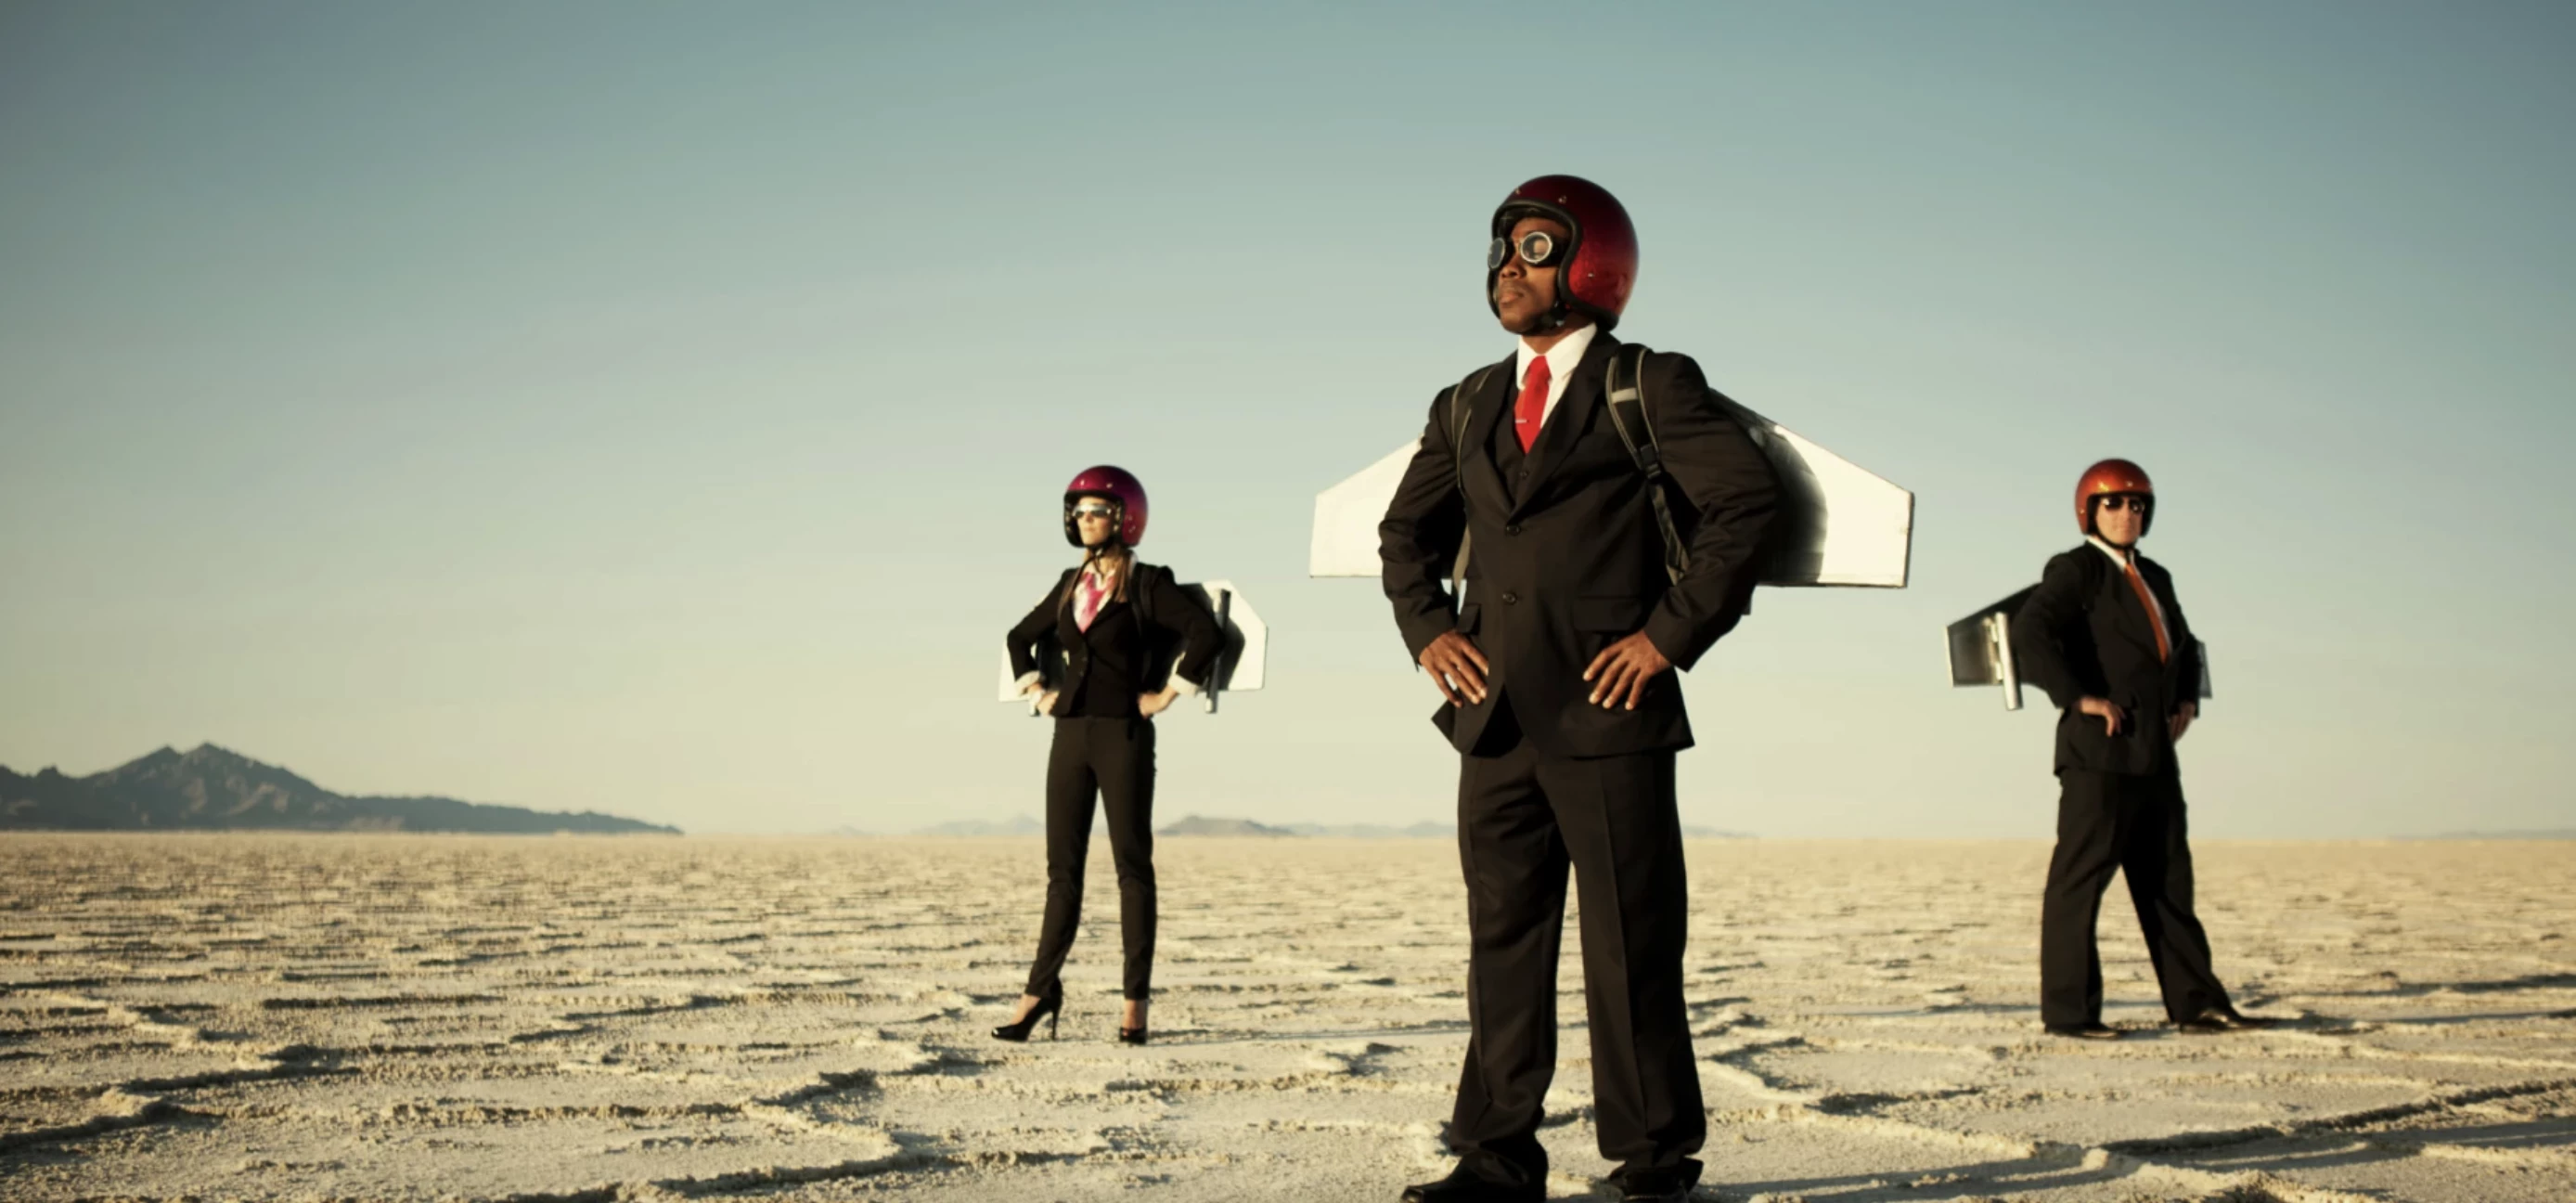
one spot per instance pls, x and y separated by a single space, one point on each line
2105 638
1556 670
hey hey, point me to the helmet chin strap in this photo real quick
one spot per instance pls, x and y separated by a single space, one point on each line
1550 322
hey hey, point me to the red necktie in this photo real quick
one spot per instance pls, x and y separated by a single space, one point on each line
1532 408
2155 617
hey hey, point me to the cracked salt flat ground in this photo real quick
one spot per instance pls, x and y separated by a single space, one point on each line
426 1017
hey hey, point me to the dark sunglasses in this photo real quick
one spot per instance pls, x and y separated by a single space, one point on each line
2130 501
1538 248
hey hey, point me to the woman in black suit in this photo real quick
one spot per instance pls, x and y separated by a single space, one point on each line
1110 616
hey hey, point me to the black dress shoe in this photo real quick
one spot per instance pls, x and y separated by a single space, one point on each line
1669 1184
1463 1185
2085 1031
2221 1019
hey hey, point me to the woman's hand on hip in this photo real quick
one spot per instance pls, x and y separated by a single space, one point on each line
1151 704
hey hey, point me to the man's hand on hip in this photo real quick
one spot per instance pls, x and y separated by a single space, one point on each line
2113 718
1622 670
1457 668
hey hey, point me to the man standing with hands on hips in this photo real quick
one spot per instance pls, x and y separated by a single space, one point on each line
1583 591
2105 637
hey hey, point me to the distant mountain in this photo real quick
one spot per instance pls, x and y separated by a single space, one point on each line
1015 825
1197 825
1712 833
2546 833
1375 831
1201 825
214 789
1428 830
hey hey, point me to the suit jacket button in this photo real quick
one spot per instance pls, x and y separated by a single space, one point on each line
1513 529
1511 598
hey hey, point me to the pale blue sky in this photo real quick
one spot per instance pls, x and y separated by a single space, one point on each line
662 408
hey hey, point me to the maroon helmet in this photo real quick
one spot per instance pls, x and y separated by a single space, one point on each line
2108 477
1596 273
1115 484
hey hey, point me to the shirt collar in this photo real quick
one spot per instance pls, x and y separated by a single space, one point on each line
2126 558
1561 358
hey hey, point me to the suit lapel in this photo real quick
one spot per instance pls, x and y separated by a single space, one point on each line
1484 479
2136 625
1573 415
1068 630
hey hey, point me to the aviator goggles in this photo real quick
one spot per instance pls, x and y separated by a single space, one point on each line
1538 248
1095 509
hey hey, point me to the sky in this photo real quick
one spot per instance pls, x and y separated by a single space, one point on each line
664 408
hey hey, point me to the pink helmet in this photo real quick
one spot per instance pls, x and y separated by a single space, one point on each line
1116 484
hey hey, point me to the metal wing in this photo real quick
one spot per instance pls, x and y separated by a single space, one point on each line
1838 523
1346 518
1981 648
1245 655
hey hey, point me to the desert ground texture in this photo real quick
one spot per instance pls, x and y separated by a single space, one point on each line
390 1017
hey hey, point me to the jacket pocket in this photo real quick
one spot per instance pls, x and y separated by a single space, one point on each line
1468 615
1618 615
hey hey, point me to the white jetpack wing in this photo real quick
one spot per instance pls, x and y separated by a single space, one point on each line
1838 523
1240 660
1981 650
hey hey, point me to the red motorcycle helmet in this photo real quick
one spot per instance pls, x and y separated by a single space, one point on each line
2108 477
1597 271
1117 485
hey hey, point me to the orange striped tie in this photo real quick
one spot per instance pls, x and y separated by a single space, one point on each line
2155 617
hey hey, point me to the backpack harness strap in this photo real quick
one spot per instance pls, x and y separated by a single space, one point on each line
1628 416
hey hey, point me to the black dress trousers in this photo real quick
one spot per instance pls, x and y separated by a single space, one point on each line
1112 758
2133 824
1523 819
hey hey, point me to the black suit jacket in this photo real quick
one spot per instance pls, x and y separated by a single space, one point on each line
2084 633
1567 556
1120 657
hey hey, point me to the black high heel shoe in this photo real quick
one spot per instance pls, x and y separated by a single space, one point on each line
1131 1035
1049 1008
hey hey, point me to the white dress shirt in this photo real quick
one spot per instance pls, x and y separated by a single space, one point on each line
2125 562
1561 362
